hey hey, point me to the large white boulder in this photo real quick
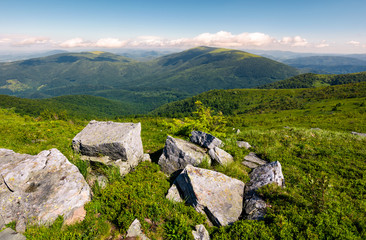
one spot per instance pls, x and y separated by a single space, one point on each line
40 188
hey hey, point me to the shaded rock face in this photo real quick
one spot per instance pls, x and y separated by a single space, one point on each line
37 189
255 207
205 140
111 143
220 156
215 194
178 153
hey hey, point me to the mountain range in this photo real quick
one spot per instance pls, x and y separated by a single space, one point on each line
142 84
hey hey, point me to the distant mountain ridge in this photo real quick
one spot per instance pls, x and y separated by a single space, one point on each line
148 84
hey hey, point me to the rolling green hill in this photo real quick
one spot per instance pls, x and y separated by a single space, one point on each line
145 84
309 80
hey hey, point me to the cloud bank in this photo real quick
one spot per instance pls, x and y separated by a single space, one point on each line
219 39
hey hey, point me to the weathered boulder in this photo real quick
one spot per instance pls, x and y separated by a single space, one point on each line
135 232
243 144
201 233
215 194
220 156
254 206
178 153
10 234
111 143
252 160
205 140
39 188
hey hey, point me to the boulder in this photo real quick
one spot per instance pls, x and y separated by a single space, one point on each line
135 232
205 140
111 143
173 194
215 194
201 233
243 144
254 206
178 153
38 189
252 160
10 234
220 156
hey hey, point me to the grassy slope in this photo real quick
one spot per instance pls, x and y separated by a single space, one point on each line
324 168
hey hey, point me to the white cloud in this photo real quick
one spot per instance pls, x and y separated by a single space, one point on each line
31 41
75 42
296 41
323 44
354 43
110 43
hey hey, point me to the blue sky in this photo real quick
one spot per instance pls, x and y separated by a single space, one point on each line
297 25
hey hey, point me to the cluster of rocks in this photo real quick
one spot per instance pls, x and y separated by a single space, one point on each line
223 199
38 189
178 153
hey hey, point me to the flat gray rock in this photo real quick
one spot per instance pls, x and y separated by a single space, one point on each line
252 157
249 164
38 189
255 207
111 143
178 153
10 234
205 140
243 144
215 194
359 134
220 156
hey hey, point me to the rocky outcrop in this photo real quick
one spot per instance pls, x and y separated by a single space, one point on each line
10 234
111 143
135 232
220 156
243 144
215 194
254 206
201 233
252 160
40 188
205 140
178 153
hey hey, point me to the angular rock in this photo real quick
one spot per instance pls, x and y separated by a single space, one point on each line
252 157
243 144
220 156
111 143
254 206
201 233
177 154
134 231
215 194
205 140
38 189
10 234
249 164
173 194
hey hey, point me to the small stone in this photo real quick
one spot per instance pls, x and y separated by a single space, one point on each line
359 134
252 157
134 231
243 144
220 156
201 233
173 194
205 140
